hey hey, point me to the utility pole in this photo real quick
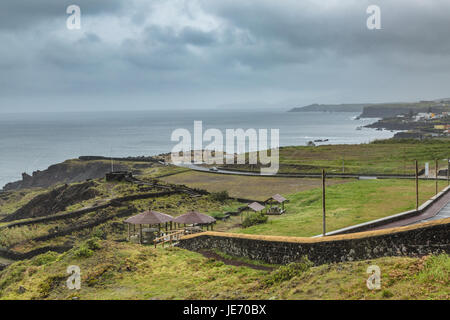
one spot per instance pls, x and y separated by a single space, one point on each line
323 203
417 186
448 171
437 169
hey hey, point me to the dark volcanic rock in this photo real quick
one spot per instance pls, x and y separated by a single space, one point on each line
54 201
66 172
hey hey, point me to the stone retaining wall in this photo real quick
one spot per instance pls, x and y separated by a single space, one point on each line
431 237
13 255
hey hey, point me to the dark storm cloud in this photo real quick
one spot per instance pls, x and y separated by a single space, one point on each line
205 53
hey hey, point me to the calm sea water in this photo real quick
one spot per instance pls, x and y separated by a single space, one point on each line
33 141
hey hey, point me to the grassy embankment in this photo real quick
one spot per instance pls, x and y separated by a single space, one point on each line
20 238
111 270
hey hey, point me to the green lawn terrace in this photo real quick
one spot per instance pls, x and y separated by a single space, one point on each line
347 204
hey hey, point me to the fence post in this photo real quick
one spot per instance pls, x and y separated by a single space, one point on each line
417 185
437 169
323 203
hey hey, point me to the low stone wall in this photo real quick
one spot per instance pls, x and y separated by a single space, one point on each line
431 237
78 213
13 255
123 213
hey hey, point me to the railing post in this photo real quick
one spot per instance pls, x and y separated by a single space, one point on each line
448 171
417 185
323 203
437 169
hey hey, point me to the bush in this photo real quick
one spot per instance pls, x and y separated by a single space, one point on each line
254 219
287 272
220 196
83 252
45 258
92 244
218 215
99 233
87 249
387 294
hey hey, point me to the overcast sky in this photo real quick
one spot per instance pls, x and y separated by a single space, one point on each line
142 54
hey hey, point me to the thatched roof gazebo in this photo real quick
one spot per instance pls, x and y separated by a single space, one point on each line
195 218
274 203
256 206
150 218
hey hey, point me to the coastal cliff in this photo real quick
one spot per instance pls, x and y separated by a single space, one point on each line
392 110
330 108
66 172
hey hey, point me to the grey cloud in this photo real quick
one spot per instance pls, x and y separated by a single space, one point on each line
24 14
274 50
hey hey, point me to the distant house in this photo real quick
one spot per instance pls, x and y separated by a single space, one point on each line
442 126
423 116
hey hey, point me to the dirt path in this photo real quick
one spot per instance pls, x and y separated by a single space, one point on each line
232 262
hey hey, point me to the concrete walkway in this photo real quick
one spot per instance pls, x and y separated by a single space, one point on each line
444 213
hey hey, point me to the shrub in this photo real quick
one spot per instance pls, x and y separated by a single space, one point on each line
44 258
87 249
254 219
83 252
99 233
387 294
287 272
220 196
218 215
93 244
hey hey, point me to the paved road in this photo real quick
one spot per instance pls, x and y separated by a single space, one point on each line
304 175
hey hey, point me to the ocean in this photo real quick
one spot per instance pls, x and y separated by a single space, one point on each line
33 141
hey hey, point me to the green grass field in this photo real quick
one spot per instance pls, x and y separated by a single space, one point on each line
347 204
380 157
257 188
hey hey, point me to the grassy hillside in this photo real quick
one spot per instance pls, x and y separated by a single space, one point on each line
111 270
